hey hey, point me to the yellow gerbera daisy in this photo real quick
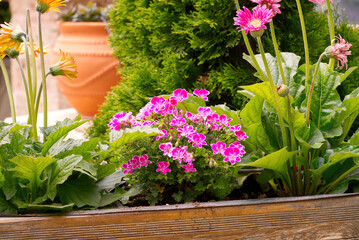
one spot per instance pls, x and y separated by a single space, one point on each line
44 6
11 36
36 49
66 66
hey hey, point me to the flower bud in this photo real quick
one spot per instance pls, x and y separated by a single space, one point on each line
283 90
257 34
12 52
17 35
328 52
42 7
55 70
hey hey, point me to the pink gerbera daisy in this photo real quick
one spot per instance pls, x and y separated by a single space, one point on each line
320 1
254 23
270 4
339 51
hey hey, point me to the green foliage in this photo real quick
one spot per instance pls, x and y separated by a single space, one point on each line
166 45
326 157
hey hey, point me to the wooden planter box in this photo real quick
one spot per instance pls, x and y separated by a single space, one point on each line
317 217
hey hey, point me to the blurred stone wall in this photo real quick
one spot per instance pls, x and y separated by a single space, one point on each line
50 31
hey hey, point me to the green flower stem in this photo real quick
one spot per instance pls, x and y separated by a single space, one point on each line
26 88
289 110
275 95
9 91
237 4
305 40
331 31
341 178
43 76
250 51
33 60
39 94
33 119
277 53
312 88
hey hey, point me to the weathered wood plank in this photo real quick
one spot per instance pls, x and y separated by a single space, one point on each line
336 217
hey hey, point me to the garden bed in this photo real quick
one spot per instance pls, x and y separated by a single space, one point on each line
315 217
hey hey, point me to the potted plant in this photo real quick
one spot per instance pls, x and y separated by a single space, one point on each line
178 150
83 32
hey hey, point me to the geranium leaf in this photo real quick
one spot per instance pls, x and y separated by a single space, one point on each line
191 104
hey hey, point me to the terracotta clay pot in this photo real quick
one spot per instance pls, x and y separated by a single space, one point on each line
88 43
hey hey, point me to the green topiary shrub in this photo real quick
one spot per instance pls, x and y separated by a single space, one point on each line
172 44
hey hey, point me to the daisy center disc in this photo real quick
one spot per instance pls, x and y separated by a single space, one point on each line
256 23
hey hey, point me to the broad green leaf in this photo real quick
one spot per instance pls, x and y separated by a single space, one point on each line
63 128
64 147
87 168
108 198
81 191
341 187
6 206
44 207
111 181
105 170
133 191
223 109
61 171
347 73
264 91
336 156
354 140
251 116
191 104
309 137
289 61
78 147
122 137
31 168
276 161
325 99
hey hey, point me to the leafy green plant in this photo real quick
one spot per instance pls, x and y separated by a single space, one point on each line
296 122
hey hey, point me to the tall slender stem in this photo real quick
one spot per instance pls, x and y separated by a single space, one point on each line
275 95
305 40
277 53
250 51
9 91
32 94
331 31
33 60
293 145
43 76
312 88
26 88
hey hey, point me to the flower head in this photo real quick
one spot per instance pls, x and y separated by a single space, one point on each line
254 23
11 36
320 1
189 167
163 167
64 67
202 93
270 4
44 6
36 49
339 51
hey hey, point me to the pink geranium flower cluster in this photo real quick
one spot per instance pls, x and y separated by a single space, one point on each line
135 162
186 136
